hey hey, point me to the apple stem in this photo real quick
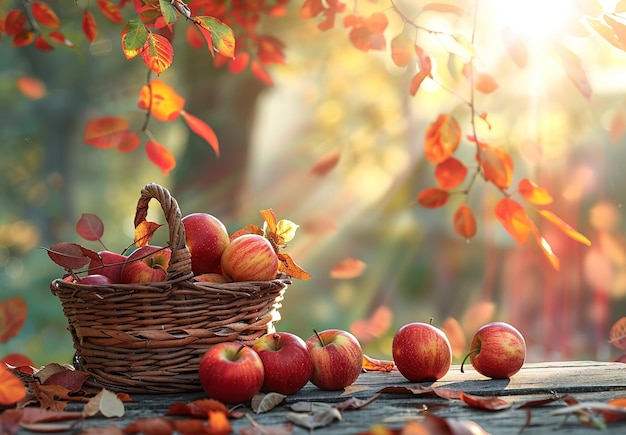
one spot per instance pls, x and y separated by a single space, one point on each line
238 350
467 356
319 337
276 337
430 320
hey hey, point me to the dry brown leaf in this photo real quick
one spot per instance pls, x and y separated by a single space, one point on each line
266 402
315 420
617 334
105 402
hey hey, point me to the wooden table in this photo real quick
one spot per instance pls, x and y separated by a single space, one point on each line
584 381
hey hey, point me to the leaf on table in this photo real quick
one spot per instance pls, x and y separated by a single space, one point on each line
405 389
12 390
453 426
144 232
617 334
72 380
262 403
611 415
540 402
50 427
107 430
486 403
348 268
13 313
354 403
198 408
354 388
90 227
260 429
150 425
377 365
33 415
52 397
105 403
303 406
315 420
447 393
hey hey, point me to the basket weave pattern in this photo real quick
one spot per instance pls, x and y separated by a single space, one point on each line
149 338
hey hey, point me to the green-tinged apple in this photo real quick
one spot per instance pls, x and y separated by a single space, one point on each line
95 279
146 264
206 237
421 352
287 362
231 372
250 257
337 359
110 264
498 350
216 278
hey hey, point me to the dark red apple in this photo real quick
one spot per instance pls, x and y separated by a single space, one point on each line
216 278
498 350
94 279
206 237
421 352
287 362
231 372
146 264
337 359
250 257
110 264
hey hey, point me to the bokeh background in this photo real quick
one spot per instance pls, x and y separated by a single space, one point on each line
332 98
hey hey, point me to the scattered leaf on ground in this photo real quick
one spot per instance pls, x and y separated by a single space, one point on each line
266 402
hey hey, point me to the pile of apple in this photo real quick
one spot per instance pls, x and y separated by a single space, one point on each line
283 363
215 257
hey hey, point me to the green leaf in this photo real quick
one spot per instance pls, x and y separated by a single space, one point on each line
170 14
222 36
134 37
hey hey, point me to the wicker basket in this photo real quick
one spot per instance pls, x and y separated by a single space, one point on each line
149 338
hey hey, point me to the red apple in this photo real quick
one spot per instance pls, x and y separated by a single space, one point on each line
146 264
231 372
498 350
206 237
337 359
110 264
211 277
287 362
94 279
421 352
250 257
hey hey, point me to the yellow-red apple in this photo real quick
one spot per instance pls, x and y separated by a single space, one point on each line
148 263
422 352
337 359
250 257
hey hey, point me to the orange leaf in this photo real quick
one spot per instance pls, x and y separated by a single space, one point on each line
442 138
157 53
106 133
160 156
89 25
617 127
515 46
533 193
261 73
348 268
450 173
289 267
23 38
464 222
565 228
239 63
514 219
401 50
200 128
12 390
110 11
433 197
605 31
377 365
269 217
144 232
161 100
219 36
573 68
368 34
545 247
366 330
194 37
618 27
416 82
617 334
485 83
42 44
453 330
496 165
12 317
486 403
324 164
32 87
44 14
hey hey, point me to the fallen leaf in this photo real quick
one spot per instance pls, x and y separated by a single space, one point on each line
377 365
105 402
354 403
489 403
315 420
266 402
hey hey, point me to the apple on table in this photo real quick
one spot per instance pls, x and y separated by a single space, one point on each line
337 358
148 263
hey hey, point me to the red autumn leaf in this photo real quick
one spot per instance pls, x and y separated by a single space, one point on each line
89 25
72 380
32 87
90 227
45 15
239 63
261 73
454 331
333 7
198 408
514 219
464 222
485 83
353 403
373 327
617 127
619 28
610 416
270 50
573 68
15 22
545 247
200 128
486 403
442 138
144 232
110 11
21 362
12 317
450 173
59 38
219 36
23 38
108 132
325 163
12 390
515 46
311 8
42 44
607 32
290 268
161 100
377 365
151 425
496 165
617 334
401 50
348 268
565 228
439 425
194 37
71 255
433 197
157 53
160 156
368 34
533 193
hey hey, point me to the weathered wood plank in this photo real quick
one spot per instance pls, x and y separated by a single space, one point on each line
586 380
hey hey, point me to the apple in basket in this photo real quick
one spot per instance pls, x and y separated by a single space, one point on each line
337 359
148 263
250 257
287 362
95 279
231 372
110 264
206 237
216 278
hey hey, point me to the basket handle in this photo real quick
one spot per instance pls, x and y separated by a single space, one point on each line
180 263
